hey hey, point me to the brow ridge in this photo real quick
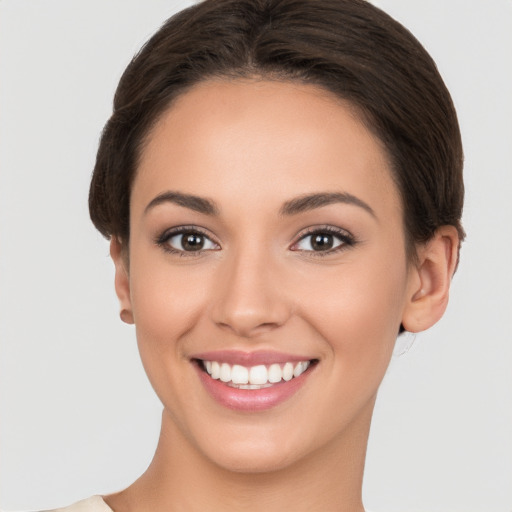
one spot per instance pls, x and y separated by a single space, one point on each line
294 206
312 201
196 203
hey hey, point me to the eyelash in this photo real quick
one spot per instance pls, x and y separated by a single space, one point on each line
345 238
163 240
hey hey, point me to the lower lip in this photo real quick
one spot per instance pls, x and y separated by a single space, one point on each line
252 400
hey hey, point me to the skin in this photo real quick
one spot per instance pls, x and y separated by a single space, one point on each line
251 146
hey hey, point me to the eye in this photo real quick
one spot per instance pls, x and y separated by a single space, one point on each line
326 240
186 240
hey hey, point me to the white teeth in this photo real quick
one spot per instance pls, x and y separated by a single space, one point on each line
215 373
258 374
239 374
225 372
255 377
252 386
299 369
275 374
288 372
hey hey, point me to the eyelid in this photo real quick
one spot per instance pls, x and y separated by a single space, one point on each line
162 239
347 239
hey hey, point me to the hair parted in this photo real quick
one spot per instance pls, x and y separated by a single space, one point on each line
348 47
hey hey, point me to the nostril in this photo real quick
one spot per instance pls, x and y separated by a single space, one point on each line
248 300
247 326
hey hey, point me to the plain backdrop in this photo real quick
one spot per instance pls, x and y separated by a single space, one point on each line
77 415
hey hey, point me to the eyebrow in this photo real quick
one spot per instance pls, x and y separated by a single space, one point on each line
313 201
293 207
196 203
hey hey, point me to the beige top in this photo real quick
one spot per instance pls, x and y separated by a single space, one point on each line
92 504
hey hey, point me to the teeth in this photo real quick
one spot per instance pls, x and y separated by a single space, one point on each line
288 371
225 372
255 377
250 386
258 374
239 374
275 374
215 373
299 369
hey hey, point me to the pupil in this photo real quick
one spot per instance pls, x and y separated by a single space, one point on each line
322 242
193 242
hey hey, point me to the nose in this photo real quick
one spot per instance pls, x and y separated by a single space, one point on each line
250 298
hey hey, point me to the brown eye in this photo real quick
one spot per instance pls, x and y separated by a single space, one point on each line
190 241
322 242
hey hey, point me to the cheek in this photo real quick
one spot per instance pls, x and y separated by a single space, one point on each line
167 302
357 308
356 312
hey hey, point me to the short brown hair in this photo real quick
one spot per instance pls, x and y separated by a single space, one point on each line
349 47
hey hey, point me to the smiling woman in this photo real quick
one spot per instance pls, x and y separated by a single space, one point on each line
262 281
281 184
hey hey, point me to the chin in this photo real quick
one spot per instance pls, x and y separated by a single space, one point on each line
247 447
254 460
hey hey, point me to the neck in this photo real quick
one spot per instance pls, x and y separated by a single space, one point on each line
182 478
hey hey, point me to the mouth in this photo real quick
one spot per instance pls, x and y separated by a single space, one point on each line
252 382
256 377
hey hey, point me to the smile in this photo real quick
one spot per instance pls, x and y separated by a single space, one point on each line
252 382
254 377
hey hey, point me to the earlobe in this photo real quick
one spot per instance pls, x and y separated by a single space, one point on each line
122 280
430 279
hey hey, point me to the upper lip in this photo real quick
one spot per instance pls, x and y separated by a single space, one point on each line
248 359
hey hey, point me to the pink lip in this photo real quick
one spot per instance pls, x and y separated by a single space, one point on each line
249 358
251 400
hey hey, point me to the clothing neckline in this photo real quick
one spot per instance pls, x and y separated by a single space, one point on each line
104 503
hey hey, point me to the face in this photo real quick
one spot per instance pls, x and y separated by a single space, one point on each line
267 270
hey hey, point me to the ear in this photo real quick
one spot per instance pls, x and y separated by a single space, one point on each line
122 280
429 280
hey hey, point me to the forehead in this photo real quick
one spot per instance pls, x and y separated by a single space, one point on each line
244 140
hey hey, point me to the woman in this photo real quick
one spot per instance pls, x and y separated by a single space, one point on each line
281 184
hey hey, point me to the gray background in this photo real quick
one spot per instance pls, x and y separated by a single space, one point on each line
77 415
